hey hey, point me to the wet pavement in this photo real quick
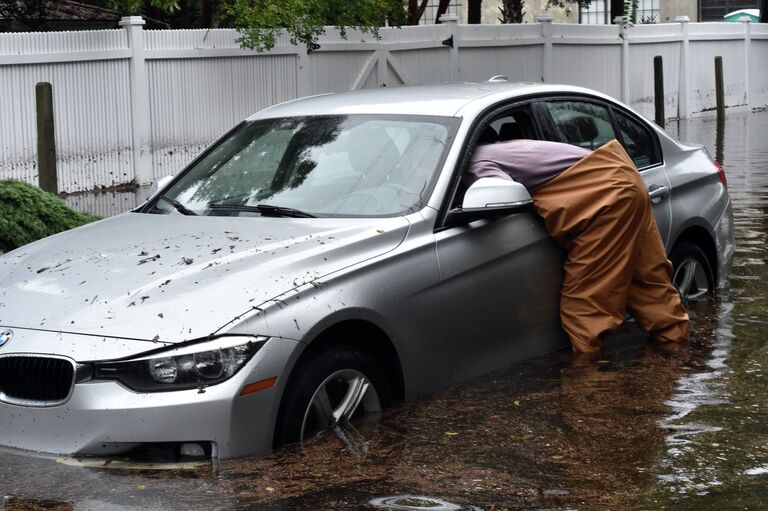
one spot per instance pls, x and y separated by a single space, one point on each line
641 427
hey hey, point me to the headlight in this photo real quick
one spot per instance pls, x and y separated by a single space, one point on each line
184 368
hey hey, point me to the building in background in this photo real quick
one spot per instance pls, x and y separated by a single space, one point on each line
736 16
531 8
715 10
62 15
649 11
457 7
665 11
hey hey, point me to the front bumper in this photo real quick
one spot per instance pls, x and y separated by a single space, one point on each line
103 417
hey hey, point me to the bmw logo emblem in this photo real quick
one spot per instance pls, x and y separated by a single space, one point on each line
5 337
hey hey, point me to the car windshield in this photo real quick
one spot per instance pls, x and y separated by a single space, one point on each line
348 165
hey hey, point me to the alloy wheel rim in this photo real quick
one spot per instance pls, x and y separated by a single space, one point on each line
691 279
336 400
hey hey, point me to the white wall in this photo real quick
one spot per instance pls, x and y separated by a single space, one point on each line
133 105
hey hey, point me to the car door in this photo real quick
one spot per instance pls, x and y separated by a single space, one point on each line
643 146
590 123
500 278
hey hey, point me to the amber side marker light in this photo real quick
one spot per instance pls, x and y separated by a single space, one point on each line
259 385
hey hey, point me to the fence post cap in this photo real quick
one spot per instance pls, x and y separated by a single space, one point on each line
544 17
682 19
127 21
449 18
619 20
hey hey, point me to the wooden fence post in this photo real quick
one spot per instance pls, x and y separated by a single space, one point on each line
719 89
46 141
658 89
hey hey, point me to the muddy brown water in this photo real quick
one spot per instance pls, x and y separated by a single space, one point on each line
642 427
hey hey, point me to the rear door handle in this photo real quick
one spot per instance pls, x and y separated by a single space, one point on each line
657 192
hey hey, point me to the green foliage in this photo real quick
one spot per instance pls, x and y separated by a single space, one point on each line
260 22
136 7
44 15
630 12
565 3
28 214
23 16
512 11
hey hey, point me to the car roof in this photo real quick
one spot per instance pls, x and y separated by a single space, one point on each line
450 100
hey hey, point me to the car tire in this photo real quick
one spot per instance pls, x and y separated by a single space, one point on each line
692 273
328 390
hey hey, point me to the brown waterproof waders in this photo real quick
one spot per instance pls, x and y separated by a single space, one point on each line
599 211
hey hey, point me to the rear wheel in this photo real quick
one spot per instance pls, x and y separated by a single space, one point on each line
693 275
329 390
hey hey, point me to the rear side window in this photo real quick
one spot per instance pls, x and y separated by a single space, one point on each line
582 124
638 141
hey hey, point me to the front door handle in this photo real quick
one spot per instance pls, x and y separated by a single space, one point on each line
657 192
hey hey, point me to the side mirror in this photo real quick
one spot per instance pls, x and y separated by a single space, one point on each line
488 197
495 192
159 184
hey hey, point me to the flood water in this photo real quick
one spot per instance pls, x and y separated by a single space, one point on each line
644 427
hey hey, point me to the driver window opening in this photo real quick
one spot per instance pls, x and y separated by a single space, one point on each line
511 125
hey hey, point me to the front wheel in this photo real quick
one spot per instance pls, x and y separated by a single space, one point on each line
327 391
693 276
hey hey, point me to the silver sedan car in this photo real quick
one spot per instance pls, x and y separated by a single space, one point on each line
322 260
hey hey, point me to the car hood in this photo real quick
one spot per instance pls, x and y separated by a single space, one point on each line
171 278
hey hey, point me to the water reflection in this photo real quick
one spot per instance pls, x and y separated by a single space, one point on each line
720 139
551 433
704 386
717 441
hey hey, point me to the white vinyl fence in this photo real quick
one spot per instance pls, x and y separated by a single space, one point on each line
133 104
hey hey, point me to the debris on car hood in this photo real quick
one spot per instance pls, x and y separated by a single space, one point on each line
172 278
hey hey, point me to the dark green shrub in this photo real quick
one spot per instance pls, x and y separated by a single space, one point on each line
27 214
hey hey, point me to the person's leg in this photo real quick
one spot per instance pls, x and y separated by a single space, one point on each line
653 300
599 269
598 210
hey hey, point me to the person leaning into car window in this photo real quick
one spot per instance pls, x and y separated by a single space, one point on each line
596 206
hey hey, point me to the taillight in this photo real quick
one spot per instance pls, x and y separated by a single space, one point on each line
721 174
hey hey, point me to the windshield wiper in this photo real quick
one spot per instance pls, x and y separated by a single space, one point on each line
264 209
181 208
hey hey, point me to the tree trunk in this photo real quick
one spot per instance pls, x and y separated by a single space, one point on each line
442 7
512 11
474 11
416 11
209 14
763 11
